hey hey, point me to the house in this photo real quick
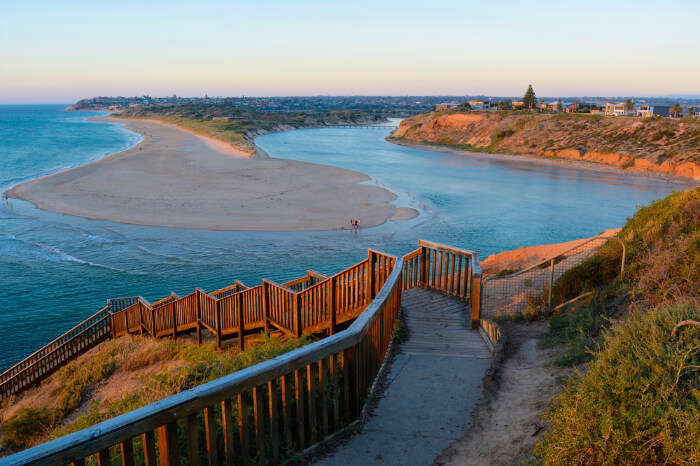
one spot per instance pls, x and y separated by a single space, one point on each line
478 104
615 109
645 111
445 106
517 103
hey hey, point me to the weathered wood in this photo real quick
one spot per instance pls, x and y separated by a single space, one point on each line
258 416
103 458
127 452
210 433
193 439
243 427
274 420
323 386
299 401
149 448
167 444
228 431
286 410
311 399
241 323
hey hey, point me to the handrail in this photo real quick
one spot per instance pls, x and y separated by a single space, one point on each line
359 338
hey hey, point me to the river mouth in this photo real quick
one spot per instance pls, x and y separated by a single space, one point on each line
59 269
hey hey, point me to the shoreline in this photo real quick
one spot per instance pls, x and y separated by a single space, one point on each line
548 161
193 177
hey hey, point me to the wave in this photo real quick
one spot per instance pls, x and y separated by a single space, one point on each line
57 255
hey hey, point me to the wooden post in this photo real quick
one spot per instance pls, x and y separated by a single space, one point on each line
198 317
218 323
266 305
332 305
476 300
153 322
297 315
551 279
241 323
172 305
369 279
167 442
423 266
111 325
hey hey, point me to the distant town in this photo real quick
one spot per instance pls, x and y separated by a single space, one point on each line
402 106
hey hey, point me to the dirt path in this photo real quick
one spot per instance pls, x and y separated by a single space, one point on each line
507 422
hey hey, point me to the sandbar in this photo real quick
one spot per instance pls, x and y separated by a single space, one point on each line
175 178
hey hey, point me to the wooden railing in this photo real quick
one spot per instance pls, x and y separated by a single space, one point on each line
452 271
51 357
267 412
319 304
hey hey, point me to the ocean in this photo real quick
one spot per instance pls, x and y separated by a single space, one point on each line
56 270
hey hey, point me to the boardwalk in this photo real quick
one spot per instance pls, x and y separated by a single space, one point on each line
431 389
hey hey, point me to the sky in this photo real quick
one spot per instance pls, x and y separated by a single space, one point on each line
59 51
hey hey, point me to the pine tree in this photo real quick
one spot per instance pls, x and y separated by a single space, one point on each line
530 100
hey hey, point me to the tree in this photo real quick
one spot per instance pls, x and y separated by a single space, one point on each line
691 111
676 110
505 104
530 100
560 106
465 106
629 106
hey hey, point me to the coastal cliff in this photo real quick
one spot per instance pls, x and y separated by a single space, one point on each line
643 145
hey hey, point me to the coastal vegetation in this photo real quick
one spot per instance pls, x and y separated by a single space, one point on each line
120 376
637 400
641 144
238 126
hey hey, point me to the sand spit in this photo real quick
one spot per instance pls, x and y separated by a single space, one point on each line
174 178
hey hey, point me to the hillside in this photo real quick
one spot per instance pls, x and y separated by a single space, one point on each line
120 376
646 145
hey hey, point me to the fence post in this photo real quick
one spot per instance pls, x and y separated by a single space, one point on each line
174 322
423 266
111 324
218 322
198 317
241 324
297 314
153 322
332 305
369 278
266 306
475 292
551 279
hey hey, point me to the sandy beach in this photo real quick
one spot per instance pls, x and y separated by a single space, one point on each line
175 178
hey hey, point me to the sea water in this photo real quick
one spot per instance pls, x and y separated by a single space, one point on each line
56 270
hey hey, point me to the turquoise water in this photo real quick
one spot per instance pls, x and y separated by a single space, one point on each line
56 270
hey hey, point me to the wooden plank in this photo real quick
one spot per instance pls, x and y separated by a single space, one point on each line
258 416
210 432
127 452
167 444
286 410
311 398
149 448
299 401
103 458
193 439
243 427
228 431
274 420
323 386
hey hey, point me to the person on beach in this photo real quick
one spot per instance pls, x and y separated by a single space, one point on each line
358 225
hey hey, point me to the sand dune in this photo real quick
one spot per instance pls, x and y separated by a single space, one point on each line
178 179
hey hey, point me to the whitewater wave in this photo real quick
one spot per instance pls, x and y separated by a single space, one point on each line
53 254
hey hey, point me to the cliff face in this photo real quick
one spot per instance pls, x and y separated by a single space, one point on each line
663 145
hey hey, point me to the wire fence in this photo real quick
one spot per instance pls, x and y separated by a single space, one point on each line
531 289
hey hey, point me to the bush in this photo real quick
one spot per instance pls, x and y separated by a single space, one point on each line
30 423
640 401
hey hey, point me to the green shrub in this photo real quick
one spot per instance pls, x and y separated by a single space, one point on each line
19 431
640 401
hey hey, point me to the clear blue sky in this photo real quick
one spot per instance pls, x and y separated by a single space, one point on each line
59 51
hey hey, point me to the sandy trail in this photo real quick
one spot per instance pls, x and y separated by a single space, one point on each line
175 178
